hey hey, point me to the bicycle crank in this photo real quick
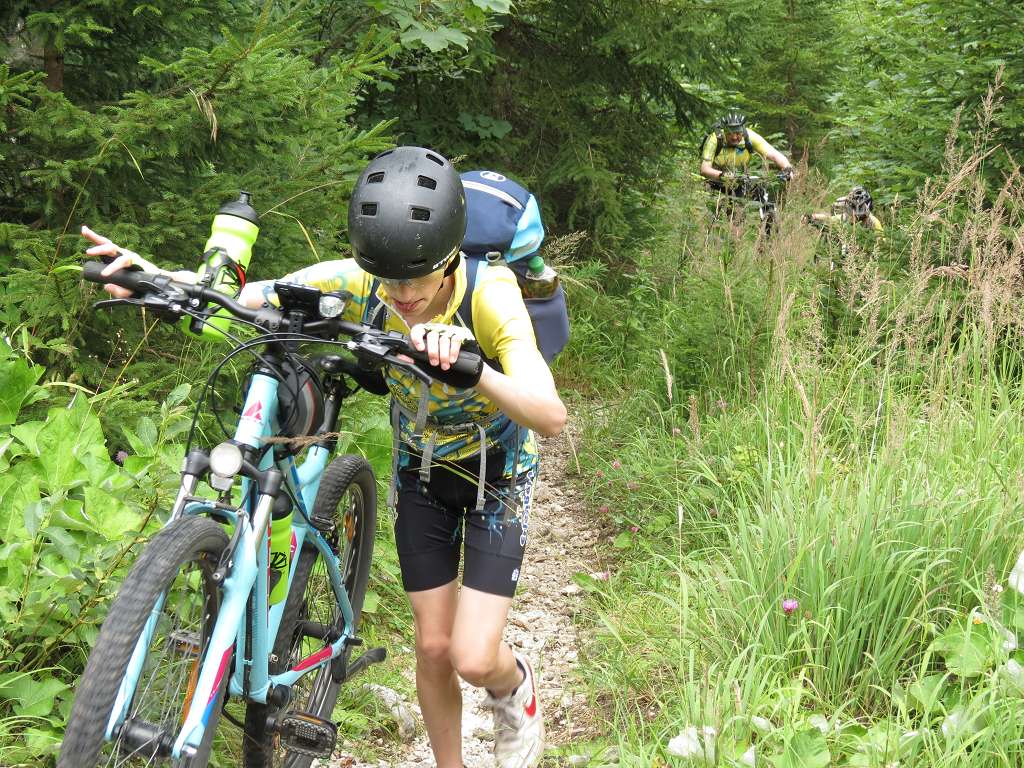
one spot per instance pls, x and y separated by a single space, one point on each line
306 734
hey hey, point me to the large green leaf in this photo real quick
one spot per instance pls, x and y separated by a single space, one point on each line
33 698
969 646
69 433
17 385
805 748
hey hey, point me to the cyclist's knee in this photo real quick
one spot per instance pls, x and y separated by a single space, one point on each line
434 649
475 663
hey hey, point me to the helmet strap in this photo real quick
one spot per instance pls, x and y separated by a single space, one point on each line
453 264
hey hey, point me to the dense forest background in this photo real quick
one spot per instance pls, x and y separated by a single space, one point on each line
141 118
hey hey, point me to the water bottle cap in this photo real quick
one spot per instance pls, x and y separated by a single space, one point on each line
241 208
536 265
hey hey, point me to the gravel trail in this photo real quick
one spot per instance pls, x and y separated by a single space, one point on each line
563 540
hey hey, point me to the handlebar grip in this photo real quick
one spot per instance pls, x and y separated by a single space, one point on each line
130 278
463 374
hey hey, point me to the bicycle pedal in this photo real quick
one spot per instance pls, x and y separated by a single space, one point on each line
306 734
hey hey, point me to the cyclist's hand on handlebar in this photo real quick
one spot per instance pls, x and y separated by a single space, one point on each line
441 342
118 259
787 173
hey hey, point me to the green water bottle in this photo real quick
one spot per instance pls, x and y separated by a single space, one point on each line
280 556
226 258
540 280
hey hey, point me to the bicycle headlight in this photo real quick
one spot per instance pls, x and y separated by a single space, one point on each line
225 462
331 306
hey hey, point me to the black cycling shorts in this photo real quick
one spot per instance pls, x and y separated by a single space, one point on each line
435 518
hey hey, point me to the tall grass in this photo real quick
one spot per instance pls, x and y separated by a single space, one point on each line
842 428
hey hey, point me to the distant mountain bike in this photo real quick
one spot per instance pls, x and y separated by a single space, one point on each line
746 193
192 623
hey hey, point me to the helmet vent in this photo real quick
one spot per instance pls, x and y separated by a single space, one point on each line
426 181
375 178
416 264
420 214
436 159
369 209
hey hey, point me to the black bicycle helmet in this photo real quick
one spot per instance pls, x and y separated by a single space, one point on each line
859 201
733 121
407 215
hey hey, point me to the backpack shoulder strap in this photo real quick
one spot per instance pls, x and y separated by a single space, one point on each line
464 314
719 141
747 142
374 312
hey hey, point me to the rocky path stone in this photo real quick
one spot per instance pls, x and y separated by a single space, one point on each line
563 540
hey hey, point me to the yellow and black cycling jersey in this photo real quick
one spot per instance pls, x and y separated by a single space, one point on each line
501 326
735 159
872 222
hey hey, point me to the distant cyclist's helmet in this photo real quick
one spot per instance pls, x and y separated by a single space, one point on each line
407 215
733 121
859 202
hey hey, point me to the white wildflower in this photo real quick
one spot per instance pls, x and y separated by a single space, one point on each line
686 744
761 724
1010 643
1016 578
952 722
820 722
748 758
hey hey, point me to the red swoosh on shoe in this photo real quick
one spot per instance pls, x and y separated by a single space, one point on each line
531 708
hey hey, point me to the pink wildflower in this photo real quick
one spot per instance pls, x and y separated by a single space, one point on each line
634 528
789 606
616 464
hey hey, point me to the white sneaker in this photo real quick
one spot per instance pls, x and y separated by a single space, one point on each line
518 723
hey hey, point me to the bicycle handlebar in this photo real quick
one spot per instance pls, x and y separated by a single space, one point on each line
371 344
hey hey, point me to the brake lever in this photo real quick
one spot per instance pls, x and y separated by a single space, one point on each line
380 351
108 303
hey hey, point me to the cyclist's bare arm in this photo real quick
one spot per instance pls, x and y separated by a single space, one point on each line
527 395
708 171
779 159
122 258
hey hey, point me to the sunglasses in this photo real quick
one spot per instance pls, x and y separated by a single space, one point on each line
412 282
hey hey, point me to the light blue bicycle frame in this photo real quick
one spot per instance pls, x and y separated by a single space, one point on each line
248 575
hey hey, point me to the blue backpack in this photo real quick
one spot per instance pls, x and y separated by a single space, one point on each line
504 226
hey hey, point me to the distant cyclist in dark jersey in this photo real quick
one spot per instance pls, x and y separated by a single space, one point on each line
853 209
730 148
466 458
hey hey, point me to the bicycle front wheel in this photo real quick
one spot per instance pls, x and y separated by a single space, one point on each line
175 571
346 510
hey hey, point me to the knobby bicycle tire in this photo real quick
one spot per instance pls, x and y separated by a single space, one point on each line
196 540
343 474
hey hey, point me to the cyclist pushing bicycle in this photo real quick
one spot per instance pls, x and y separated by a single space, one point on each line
465 458
726 155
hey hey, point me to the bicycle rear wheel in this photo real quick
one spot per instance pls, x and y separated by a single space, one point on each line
178 565
346 510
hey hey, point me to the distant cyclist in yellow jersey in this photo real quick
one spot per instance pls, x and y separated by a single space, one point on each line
852 209
729 149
